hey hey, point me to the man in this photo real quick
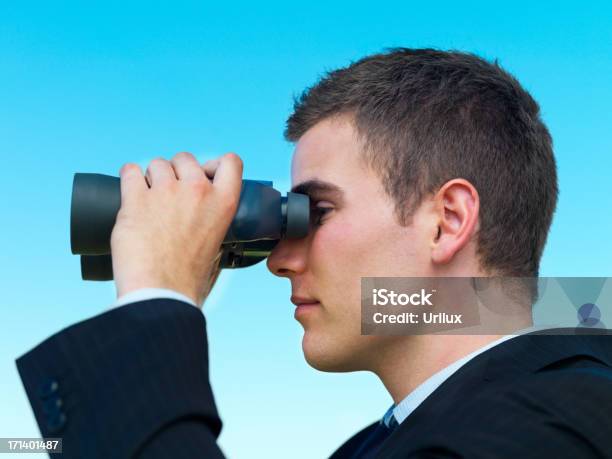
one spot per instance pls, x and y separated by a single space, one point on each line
417 163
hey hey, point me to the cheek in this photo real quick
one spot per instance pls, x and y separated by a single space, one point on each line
341 253
348 249
334 244
333 261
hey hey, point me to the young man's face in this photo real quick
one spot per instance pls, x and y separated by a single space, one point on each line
358 237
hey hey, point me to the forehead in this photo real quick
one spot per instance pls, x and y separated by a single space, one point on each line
328 151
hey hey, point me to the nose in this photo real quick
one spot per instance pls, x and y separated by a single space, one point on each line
288 257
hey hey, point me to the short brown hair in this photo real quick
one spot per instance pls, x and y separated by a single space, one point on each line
427 116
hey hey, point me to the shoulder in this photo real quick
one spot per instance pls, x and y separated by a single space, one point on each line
568 394
557 413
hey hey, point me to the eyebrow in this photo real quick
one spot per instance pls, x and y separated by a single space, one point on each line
312 187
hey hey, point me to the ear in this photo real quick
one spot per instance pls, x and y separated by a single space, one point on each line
457 207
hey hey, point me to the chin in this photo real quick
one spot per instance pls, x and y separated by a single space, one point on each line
329 355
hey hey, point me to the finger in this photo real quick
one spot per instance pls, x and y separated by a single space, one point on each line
210 167
133 183
187 167
228 176
160 172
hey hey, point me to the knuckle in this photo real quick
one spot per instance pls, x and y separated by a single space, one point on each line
128 168
184 155
157 162
234 158
199 186
123 220
122 216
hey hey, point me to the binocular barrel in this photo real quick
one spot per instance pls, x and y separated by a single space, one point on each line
262 218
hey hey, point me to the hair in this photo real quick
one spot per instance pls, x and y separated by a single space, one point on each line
426 116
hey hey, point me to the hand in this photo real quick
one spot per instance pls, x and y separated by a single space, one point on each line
171 223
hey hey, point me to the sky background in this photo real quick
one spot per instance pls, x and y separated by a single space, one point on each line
88 86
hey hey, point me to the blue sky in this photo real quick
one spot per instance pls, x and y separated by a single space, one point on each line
88 86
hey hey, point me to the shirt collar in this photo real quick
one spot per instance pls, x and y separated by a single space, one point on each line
396 414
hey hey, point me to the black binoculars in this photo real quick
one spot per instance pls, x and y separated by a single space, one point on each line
263 217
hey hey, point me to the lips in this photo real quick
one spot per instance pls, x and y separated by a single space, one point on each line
305 306
302 300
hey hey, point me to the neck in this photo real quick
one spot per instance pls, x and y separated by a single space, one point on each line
428 354
404 362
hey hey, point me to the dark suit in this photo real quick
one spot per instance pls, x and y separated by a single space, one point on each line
133 382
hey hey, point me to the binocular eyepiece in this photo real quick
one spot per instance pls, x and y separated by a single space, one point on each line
263 217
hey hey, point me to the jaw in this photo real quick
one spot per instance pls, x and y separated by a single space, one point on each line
340 354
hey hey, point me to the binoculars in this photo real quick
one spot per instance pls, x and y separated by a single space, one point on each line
263 218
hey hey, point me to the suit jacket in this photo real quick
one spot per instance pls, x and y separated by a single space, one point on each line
133 382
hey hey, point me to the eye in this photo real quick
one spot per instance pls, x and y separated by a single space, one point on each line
318 211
